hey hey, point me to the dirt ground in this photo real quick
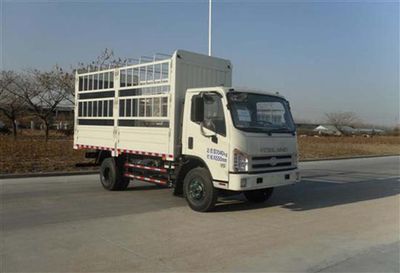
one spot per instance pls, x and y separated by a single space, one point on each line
30 153
312 147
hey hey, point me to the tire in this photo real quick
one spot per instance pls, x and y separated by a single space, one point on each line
111 176
199 191
258 196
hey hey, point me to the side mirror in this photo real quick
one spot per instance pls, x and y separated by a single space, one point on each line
209 124
197 114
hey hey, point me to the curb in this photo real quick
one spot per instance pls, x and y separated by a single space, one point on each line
47 174
346 157
87 172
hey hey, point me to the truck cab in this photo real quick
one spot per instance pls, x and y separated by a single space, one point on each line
246 139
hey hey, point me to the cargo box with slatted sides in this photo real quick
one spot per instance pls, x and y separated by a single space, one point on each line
175 120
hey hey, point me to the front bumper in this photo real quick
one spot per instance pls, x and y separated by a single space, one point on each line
245 182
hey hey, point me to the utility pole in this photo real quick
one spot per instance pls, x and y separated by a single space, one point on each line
209 26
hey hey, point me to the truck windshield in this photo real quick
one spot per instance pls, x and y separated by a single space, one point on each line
260 113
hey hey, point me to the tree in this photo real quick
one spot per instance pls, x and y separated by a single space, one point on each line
106 59
340 119
42 92
49 91
65 81
12 105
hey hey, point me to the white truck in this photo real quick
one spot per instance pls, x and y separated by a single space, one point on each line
178 122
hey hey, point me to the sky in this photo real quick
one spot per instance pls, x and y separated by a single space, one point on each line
323 56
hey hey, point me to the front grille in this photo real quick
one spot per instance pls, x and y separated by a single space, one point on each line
260 166
271 162
269 157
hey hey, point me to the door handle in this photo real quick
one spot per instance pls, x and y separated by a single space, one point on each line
190 143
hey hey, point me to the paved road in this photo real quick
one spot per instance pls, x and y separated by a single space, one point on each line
344 217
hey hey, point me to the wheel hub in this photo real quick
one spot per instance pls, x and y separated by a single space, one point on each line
196 189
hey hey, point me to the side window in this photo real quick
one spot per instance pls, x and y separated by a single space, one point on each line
214 114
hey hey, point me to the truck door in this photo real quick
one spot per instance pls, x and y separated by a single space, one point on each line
205 133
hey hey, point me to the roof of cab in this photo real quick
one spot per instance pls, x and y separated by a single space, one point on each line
256 91
239 89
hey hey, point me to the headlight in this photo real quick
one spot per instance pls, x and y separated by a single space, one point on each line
240 161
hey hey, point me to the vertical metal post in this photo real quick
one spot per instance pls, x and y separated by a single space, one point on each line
76 116
209 26
116 74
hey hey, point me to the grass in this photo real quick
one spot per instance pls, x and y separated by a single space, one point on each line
30 153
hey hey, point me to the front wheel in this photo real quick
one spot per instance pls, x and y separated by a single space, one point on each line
199 190
258 196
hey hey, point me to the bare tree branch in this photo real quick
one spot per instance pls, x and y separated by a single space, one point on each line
42 92
12 106
340 119
106 59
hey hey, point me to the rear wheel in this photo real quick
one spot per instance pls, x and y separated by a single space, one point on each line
199 190
111 175
258 196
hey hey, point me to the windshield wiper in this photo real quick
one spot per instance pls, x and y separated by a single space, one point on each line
253 130
282 130
267 131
